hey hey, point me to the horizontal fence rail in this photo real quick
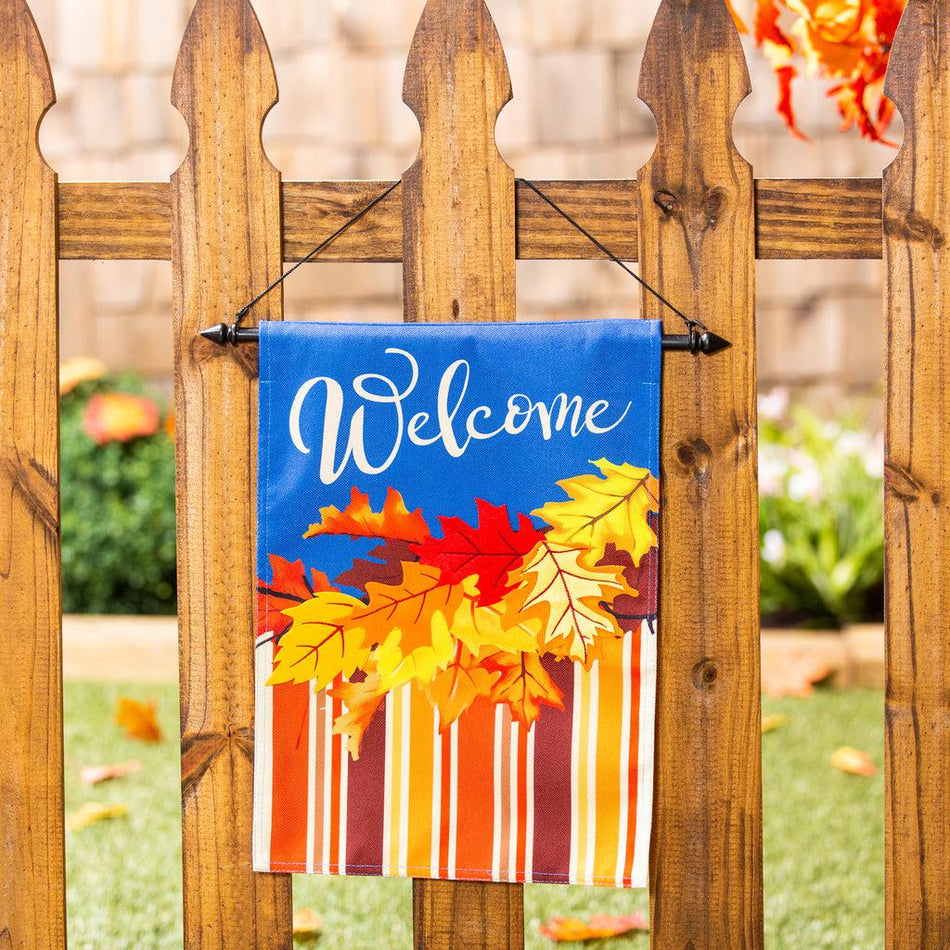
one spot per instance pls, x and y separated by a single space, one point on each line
795 219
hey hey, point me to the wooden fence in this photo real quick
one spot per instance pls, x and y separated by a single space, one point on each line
696 220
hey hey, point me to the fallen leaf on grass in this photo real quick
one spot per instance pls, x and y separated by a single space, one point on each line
91 813
795 676
94 774
139 720
853 761
600 926
772 722
308 924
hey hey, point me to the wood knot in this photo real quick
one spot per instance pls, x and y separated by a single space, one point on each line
914 227
705 674
898 481
713 202
696 459
667 202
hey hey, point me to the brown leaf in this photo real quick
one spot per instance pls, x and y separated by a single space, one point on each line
139 720
386 569
94 774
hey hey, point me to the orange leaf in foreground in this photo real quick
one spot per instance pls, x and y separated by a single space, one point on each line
524 685
308 924
358 520
289 588
119 417
795 675
94 774
600 926
853 761
139 720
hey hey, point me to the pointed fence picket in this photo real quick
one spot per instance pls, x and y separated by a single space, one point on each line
696 221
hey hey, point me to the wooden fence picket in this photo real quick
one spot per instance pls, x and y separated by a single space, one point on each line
32 886
697 247
226 246
459 264
917 487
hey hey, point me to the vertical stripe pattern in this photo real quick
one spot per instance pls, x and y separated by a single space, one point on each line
566 801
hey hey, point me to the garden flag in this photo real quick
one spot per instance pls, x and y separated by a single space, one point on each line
456 638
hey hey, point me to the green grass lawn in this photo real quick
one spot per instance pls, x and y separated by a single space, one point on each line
823 841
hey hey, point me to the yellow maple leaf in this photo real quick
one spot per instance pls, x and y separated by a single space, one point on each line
495 628
361 700
454 689
409 623
555 588
323 641
614 508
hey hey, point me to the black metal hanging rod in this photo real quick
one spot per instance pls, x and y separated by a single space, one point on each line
696 341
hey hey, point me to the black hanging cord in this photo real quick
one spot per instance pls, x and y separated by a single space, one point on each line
689 321
692 341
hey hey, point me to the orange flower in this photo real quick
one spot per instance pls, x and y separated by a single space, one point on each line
120 417
79 369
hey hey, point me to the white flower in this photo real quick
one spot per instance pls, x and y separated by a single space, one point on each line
805 484
773 468
773 547
775 404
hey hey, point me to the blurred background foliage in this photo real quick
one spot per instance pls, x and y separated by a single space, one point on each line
821 518
118 493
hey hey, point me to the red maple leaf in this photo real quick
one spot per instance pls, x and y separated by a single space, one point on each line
489 551
290 587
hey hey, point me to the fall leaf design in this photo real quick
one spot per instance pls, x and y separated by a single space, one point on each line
324 640
358 520
489 551
525 685
567 596
290 587
361 699
468 617
601 510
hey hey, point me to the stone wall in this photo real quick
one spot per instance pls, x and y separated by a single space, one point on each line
574 65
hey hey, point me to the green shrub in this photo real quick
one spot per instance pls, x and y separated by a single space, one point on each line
821 521
118 511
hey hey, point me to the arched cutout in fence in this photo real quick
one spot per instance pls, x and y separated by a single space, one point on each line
696 220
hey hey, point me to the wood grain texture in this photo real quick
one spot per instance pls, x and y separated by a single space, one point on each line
32 888
917 487
226 245
697 247
459 250
803 219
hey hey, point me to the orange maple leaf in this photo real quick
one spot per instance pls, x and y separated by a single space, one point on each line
361 700
358 520
525 685
139 720
455 688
